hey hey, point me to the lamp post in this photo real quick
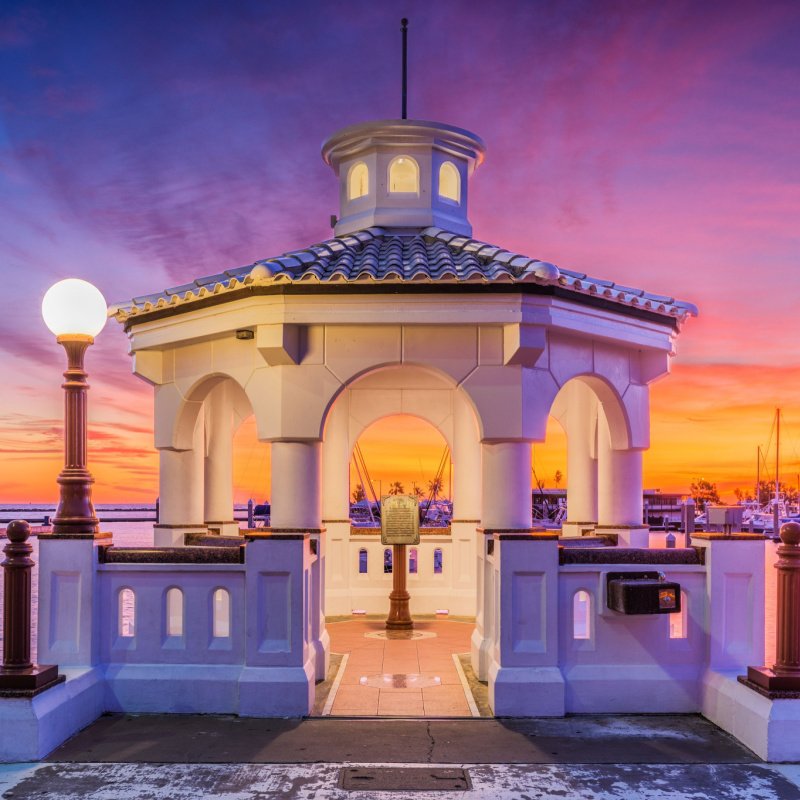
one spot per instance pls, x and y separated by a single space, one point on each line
75 311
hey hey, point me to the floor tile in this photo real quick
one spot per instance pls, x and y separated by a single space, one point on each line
371 657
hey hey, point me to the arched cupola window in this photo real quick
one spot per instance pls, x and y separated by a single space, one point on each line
403 176
358 181
450 182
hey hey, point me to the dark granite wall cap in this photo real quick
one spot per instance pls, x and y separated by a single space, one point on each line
628 555
206 540
514 531
172 555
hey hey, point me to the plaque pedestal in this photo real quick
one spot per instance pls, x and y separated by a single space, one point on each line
399 618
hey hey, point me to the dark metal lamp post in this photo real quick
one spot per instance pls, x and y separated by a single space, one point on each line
75 311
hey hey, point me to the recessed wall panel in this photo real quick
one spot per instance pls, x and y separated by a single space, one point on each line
275 612
65 609
528 632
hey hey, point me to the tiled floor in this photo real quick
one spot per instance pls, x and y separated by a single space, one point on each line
370 660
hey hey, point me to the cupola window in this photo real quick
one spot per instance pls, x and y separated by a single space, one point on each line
449 182
403 176
358 181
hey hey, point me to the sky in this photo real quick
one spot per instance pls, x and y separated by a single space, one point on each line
143 144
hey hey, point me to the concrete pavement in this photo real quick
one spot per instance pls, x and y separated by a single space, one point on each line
140 757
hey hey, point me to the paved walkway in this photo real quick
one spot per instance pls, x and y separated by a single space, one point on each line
410 674
323 782
155 757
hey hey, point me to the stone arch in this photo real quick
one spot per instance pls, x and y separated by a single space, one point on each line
622 424
181 430
417 390
365 379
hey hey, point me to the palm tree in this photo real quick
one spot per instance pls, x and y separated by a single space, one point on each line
397 488
359 494
558 477
435 486
418 492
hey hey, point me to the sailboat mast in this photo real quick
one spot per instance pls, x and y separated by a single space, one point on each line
776 512
758 476
777 454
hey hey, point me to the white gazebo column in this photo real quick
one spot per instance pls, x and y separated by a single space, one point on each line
506 486
619 492
581 461
181 491
336 509
466 510
296 507
219 462
506 506
295 497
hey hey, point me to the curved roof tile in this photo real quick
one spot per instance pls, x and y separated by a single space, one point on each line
432 255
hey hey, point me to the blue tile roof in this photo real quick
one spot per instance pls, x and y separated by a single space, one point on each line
376 255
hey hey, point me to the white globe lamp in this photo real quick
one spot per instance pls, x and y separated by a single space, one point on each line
74 307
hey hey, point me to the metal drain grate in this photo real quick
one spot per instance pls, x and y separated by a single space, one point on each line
404 779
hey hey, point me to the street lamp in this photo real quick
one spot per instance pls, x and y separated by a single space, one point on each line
75 311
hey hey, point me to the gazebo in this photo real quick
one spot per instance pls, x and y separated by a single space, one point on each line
402 311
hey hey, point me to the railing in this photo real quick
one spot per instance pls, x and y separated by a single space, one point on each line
630 662
167 613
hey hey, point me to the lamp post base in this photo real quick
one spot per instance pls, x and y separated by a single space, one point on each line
772 681
33 679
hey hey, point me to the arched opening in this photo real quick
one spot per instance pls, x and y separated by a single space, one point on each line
599 474
582 615
401 454
200 450
358 181
403 175
221 614
126 614
549 477
174 612
398 454
679 622
449 182
252 469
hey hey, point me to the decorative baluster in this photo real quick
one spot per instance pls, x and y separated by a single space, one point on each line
785 673
18 675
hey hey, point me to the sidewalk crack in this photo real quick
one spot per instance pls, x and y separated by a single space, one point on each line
431 742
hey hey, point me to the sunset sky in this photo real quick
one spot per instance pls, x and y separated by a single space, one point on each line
143 144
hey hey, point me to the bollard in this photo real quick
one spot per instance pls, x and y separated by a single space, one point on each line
785 673
18 674
250 522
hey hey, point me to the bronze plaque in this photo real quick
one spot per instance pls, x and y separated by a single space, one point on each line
399 519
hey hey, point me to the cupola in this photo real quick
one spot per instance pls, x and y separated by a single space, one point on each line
403 174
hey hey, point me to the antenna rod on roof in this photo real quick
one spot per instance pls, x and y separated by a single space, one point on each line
404 29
